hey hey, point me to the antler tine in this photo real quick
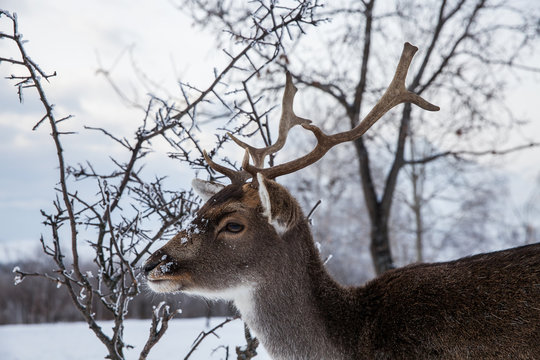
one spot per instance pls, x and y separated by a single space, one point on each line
288 120
236 177
395 94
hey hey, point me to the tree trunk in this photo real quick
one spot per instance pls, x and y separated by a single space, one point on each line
380 248
380 241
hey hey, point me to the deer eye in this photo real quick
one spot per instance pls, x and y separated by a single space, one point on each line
234 227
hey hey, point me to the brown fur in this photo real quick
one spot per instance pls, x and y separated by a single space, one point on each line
481 307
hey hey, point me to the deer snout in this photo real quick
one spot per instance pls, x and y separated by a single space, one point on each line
153 261
149 266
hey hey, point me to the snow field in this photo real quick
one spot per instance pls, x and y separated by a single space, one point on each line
75 341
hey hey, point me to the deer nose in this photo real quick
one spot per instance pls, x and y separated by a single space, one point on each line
149 266
154 260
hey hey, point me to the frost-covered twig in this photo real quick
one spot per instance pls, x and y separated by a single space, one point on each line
204 334
160 322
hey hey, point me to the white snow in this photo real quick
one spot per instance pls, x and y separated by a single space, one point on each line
166 268
17 280
75 341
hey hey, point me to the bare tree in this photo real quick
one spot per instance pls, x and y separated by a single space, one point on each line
129 209
470 46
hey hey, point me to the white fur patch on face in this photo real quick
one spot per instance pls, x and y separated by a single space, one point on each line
238 293
206 189
280 229
265 198
163 286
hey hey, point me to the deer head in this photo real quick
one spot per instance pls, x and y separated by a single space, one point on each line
232 243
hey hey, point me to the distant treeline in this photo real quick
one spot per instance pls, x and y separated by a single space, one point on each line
38 300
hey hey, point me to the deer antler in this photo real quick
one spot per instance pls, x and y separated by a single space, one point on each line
236 177
395 94
288 120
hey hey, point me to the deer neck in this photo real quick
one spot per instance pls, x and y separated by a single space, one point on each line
293 312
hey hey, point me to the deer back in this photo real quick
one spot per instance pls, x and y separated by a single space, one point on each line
483 306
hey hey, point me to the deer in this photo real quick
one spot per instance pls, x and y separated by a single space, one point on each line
251 244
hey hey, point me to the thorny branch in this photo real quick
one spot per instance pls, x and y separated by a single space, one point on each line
468 153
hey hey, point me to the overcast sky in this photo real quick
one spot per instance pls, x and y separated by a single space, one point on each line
75 38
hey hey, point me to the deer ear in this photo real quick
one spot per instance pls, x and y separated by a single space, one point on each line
276 205
206 189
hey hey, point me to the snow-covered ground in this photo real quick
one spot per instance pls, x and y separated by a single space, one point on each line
74 341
